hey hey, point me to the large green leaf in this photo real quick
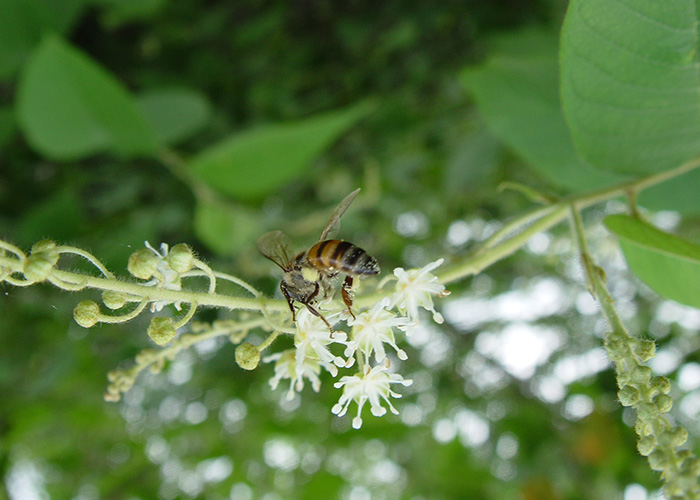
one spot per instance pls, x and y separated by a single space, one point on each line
667 263
630 82
174 114
254 163
516 90
23 22
69 107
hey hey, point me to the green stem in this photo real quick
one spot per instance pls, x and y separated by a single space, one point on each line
501 245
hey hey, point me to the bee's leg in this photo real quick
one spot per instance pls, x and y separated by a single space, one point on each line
290 301
315 312
346 292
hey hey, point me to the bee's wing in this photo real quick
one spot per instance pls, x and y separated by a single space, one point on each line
337 214
275 246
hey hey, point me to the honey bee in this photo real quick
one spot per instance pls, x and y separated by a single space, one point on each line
308 277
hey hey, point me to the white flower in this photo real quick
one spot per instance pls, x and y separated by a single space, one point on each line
372 328
166 277
415 288
286 367
312 342
373 386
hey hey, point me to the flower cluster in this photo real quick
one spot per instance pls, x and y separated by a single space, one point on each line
371 330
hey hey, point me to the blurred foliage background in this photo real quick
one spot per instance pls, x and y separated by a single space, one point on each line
479 422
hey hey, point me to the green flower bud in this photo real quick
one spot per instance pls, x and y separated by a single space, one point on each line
247 356
691 467
617 349
113 300
673 437
640 375
647 411
162 330
646 445
180 258
657 460
43 246
661 384
142 264
87 313
663 402
41 261
643 428
645 350
628 395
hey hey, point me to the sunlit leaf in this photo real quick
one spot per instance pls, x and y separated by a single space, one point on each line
630 82
256 162
69 107
516 90
667 263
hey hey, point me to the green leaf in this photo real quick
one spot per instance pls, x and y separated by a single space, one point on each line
23 22
667 263
69 107
119 12
517 92
174 114
679 194
630 82
223 228
254 163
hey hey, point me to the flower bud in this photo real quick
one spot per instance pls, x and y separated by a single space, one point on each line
628 395
657 460
643 427
87 313
41 261
646 445
180 258
113 300
691 467
247 356
162 330
661 384
647 411
142 264
645 350
663 402
673 437
640 375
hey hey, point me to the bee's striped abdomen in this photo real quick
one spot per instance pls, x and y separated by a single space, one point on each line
341 256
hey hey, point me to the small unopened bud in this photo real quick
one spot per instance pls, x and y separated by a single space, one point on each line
113 300
628 395
657 460
661 384
691 467
645 350
162 330
142 264
247 356
663 402
646 445
43 246
641 375
180 258
673 437
87 313
41 261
